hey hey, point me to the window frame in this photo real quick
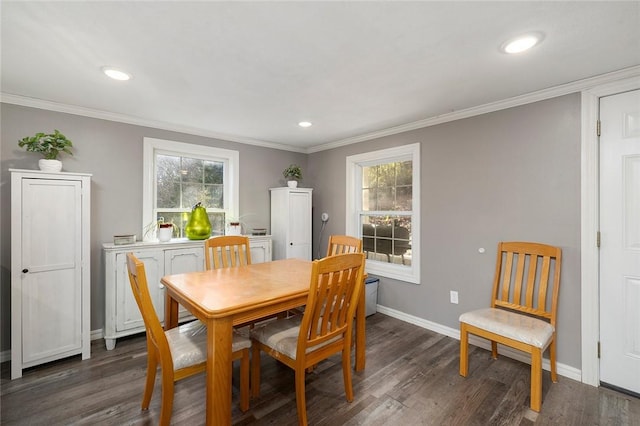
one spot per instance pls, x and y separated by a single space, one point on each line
152 146
354 165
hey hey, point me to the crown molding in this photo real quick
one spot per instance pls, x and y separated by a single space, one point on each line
564 89
129 119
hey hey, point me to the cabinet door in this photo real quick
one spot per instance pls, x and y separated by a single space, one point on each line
182 260
299 225
127 312
260 251
51 235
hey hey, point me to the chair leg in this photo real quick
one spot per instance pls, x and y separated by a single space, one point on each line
346 372
536 379
464 350
494 350
552 360
300 397
244 380
152 368
255 370
166 406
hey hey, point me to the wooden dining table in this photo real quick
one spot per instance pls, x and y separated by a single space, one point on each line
222 298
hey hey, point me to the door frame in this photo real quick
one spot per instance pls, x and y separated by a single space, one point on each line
590 200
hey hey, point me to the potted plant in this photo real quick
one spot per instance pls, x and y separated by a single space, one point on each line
162 230
50 146
293 174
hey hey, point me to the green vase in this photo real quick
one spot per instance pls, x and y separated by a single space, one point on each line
198 227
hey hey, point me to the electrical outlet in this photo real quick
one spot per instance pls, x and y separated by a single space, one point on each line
325 217
453 296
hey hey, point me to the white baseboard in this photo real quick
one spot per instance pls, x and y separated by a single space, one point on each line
97 334
563 369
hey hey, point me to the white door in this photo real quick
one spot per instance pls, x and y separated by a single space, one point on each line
620 240
300 225
52 266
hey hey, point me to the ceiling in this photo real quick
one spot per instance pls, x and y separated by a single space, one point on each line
250 71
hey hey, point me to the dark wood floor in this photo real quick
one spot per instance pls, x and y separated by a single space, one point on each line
411 379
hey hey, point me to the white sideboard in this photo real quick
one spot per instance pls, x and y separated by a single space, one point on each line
122 317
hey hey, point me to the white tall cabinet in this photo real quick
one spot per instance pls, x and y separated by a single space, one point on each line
50 277
291 222
122 316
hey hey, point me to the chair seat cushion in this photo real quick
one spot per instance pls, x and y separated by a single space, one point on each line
523 328
188 344
282 335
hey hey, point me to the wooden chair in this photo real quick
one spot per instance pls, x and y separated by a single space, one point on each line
226 251
521 315
340 244
181 352
229 251
324 329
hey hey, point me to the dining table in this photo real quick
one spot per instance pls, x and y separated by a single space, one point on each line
227 297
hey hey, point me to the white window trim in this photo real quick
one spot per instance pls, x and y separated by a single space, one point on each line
231 172
354 182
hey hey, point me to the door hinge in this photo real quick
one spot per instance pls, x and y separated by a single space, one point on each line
598 350
598 126
598 239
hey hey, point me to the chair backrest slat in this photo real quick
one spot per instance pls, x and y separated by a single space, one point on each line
517 285
531 280
544 282
226 251
524 281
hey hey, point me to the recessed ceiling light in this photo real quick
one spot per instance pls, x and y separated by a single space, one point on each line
304 124
116 74
521 43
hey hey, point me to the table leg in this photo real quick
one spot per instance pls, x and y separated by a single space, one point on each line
360 332
170 312
219 339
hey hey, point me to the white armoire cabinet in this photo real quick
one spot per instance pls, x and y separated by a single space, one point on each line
122 316
291 222
50 277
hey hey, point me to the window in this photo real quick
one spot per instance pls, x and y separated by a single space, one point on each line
179 175
383 208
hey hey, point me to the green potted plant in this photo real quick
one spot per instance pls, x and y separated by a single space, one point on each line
50 146
292 174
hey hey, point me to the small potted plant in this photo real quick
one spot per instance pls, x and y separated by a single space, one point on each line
50 146
162 230
165 232
292 174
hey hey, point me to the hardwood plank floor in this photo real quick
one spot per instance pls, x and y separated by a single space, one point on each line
411 379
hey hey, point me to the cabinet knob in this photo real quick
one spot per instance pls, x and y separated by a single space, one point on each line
25 270
290 244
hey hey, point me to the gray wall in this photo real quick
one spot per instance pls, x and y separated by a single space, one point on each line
112 152
511 175
508 175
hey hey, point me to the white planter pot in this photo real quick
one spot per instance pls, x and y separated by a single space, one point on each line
50 165
292 184
165 234
234 229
